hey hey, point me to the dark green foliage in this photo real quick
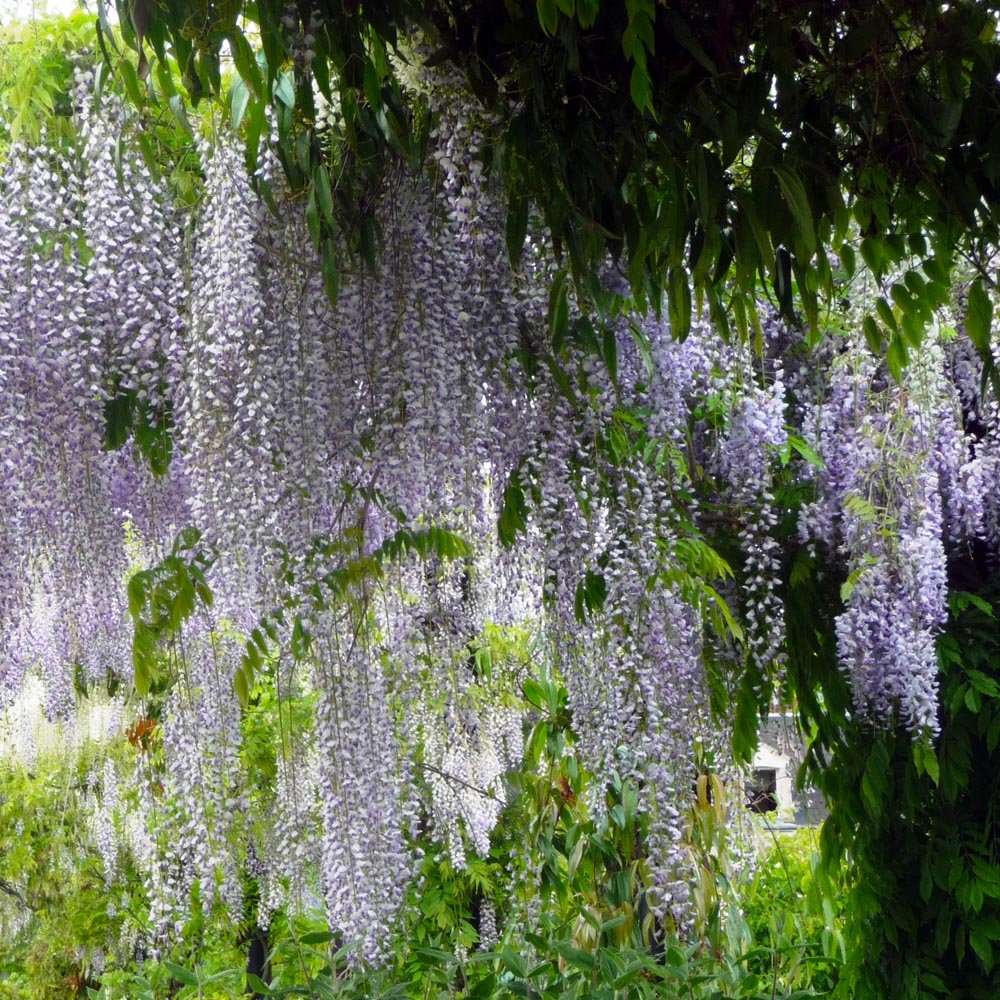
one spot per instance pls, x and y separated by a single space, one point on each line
707 147
915 824
125 417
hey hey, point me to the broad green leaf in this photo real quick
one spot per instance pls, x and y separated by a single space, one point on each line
324 196
258 985
180 113
245 62
533 692
848 260
886 314
798 203
312 217
679 303
979 318
241 685
873 335
131 82
896 357
372 85
181 974
317 937
284 90
548 16
806 452
640 87
514 962
142 678
587 11
239 101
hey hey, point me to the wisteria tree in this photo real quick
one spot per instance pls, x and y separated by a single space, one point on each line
440 355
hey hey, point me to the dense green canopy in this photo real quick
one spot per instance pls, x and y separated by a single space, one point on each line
682 138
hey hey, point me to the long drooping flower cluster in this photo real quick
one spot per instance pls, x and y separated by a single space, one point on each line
897 458
135 284
362 780
63 535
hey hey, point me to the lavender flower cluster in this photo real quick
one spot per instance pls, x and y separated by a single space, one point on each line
903 479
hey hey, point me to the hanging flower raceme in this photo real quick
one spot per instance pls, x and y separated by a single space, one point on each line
893 462
362 778
69 535
135 287
755 433
225 413
195 821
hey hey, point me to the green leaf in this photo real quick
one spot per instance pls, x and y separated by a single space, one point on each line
142 678
982 947
533 692
640 87
514 962
979 318
284 90
131 82
871 254
372 84
331 272
312 218
241 685
245 62
576 957
896 357
136 594
559 308
609 350
180 113
300 640
258 985
937 271
806 452
886 314
513 512
977 602
873 335
875 781
317 937
181 974
926 883
516 228
679 303
925 760
798 203
587 11
848 259
548 16
239 101
324 196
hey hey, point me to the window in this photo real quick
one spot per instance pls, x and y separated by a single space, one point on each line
762 791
